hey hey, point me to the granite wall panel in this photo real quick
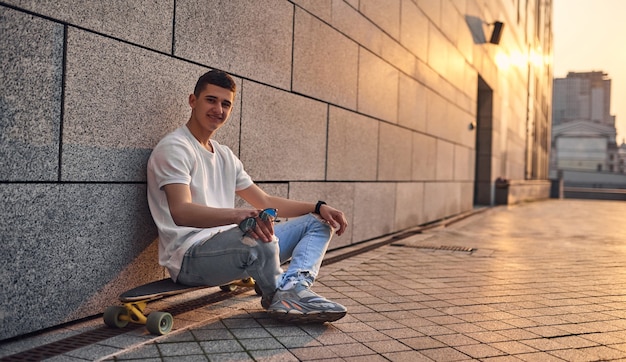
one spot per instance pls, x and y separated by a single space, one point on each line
378 88
411 103
64 243
120 100
409 205
414 29
347 20
251 39
374 210
424 157
445 160
315 45
31 50
394 153
340 195
353 144
321 9
438 206
147 23
386 14
283 135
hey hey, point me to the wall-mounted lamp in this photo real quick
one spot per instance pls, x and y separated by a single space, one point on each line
496 33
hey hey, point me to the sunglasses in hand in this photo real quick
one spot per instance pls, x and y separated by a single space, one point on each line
249 223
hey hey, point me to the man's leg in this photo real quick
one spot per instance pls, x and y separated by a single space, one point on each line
231 255
304 240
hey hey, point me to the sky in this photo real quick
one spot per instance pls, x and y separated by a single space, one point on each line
588 36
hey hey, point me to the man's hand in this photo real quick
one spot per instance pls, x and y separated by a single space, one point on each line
264 229
335 218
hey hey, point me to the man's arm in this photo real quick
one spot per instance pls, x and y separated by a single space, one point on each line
186 213
256 197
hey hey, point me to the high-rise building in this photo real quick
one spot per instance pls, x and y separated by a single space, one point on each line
582 97
583 132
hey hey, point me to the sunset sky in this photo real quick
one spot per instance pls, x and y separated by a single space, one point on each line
588 36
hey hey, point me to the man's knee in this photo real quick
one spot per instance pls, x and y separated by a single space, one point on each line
261 249
323 225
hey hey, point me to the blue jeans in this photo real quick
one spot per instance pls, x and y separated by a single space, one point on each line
232 255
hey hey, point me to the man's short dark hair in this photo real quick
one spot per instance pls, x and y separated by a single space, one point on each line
215 77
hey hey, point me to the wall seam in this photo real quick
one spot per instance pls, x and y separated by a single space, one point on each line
62 105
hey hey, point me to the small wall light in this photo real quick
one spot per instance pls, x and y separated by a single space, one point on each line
496 34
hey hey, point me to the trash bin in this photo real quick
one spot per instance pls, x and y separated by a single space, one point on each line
502 191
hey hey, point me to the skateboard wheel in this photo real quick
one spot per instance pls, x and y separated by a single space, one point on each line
112 317
228 287
159 323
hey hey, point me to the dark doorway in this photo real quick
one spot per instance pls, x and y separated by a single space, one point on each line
484 140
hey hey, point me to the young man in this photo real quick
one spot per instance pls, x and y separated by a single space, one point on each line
205 240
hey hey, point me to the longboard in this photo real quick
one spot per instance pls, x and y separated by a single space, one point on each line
136 300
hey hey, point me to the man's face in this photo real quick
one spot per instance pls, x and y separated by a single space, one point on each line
211 108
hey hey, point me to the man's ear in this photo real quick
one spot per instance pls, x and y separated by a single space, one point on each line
192 100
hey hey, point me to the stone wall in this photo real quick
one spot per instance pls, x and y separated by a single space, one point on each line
363 103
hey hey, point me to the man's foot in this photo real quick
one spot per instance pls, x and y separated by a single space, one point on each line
266 300
299 304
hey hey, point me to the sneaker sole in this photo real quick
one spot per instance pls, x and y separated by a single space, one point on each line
321 317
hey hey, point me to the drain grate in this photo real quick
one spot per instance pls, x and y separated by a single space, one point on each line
440 247
66 345
85 339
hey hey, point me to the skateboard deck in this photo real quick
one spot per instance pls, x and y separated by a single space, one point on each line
136 300
156 290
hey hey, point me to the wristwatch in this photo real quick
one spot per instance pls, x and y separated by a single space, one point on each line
318 205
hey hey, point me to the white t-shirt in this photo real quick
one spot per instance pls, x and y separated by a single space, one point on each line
212 177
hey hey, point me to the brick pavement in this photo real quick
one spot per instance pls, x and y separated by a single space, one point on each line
542 281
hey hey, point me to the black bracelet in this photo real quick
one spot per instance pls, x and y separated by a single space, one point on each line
318 205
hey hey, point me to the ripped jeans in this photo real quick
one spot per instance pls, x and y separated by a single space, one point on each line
231 255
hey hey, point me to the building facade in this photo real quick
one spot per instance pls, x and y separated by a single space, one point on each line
582 96
583 133
399 112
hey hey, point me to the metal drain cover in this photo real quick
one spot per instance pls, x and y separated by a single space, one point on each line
435 247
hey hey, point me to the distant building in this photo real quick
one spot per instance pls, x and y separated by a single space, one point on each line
583 132
582 96
621 157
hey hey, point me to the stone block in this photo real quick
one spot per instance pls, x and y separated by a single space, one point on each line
411 104
409 205
144 22
414 29
31 53
274 189
432 9
378 88
424 157
385 14
352 146
445 160
348 20
65 243
394 153
338 195
120 100
436 114
441 199
320 8
374 207
283 135
325 62
463 163
251 39
438 51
